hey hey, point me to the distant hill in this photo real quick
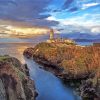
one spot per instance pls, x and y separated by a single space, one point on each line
81 37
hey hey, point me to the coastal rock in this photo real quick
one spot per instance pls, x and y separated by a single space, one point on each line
15 83
79 62
71 63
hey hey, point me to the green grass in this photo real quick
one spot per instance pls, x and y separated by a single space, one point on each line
3 58
80 62
20 74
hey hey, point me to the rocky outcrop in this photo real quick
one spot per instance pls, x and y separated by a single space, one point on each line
72 63
15 83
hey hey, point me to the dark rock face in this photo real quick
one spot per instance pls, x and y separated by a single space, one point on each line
72 64
14 80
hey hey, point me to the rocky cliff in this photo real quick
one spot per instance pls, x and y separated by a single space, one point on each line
71 63
15 83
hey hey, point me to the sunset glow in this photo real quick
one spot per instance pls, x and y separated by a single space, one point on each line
20 30
26 31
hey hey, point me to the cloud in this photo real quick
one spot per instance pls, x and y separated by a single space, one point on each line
10 27
43 22
73 9
7 2
71 15
95 30
29 23
87 23
51 18
6 22
84 20
85 6
24 9
67 4
30 11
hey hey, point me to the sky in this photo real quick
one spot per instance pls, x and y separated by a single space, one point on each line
66 16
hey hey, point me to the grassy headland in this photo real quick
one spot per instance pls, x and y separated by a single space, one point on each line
71 63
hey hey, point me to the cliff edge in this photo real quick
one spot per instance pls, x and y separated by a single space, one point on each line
15 83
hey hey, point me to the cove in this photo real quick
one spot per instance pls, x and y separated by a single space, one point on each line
49 86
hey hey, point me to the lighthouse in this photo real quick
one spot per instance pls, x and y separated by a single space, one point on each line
51 34
52 39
